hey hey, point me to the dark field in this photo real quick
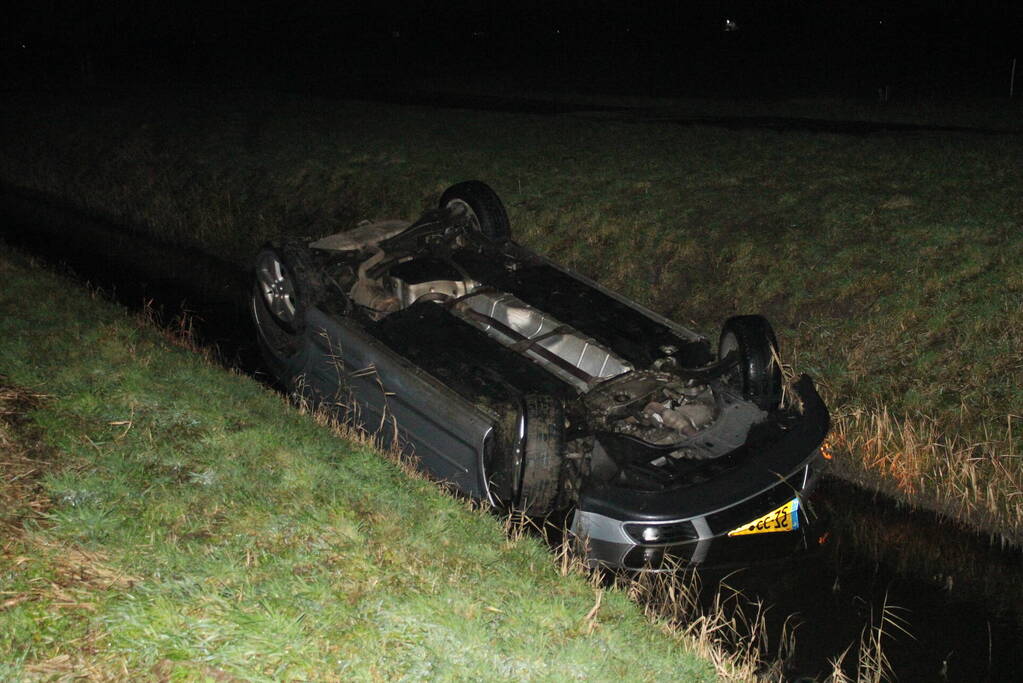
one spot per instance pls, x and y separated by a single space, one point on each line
889 262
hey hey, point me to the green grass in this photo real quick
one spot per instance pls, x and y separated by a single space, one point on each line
166 520
890 264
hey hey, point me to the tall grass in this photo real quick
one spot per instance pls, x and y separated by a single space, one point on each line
872 665
978 483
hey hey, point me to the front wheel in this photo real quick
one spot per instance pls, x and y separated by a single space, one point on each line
758 373
542 460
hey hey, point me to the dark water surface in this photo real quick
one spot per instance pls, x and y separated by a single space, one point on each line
958 597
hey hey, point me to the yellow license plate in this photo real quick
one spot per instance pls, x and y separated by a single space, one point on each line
784 518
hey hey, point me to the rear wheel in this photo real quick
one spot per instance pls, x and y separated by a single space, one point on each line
282 289
484 208
277 286
758 372
542 461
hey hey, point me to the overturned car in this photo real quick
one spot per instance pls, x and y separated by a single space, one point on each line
529 386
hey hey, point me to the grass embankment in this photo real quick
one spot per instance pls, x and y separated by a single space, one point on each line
163 519
890 264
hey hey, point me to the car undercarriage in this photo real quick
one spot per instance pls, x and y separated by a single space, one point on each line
578 398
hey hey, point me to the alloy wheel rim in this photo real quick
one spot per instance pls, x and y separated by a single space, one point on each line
277 288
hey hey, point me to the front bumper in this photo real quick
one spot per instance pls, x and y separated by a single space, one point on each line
627 528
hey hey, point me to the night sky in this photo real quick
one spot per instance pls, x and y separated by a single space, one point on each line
734 48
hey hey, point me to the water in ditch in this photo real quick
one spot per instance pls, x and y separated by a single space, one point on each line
952 600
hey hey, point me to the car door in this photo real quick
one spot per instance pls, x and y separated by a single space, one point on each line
371 386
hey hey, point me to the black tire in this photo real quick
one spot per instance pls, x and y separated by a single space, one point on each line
758 373
542 462
486 212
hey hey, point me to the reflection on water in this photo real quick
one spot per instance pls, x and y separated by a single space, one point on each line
965 565
134 269
960 597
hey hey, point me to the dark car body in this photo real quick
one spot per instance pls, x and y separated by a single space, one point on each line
526 385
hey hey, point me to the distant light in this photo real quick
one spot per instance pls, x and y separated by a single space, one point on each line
730 25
